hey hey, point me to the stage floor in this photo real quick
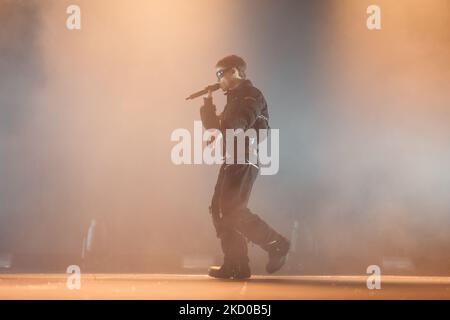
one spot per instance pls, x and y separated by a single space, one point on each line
174 286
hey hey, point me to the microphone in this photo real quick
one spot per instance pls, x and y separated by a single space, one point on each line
212 87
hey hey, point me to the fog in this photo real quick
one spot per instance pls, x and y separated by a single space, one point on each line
86 117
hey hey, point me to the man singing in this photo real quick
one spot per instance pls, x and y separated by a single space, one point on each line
245 109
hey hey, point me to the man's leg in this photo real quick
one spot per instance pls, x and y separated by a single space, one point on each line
259 232
214 208
238 183
234 245
234 195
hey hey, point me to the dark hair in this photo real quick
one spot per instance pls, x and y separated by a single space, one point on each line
233 61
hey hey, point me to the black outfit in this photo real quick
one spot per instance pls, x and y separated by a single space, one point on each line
234 222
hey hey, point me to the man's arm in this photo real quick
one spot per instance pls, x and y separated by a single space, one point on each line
208 114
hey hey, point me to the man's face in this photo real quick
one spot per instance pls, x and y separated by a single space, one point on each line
227 77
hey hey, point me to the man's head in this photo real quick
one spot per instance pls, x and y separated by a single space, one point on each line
230 71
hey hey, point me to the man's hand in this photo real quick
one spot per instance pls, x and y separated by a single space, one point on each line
208 113
211 140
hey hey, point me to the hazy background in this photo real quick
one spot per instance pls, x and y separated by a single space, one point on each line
86 117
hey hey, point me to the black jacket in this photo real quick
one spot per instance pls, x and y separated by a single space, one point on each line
245 108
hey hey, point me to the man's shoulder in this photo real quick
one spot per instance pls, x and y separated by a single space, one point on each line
251 91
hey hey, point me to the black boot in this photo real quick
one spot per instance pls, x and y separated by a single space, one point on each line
231 270
278 251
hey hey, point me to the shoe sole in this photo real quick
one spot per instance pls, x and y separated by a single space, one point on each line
230 277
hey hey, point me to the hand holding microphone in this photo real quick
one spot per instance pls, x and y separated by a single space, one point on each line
208 90
207 103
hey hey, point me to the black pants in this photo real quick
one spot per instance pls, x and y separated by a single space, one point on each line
233 221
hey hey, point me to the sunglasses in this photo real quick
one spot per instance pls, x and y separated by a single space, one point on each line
221 73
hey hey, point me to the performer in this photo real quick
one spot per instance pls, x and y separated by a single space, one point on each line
235 224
